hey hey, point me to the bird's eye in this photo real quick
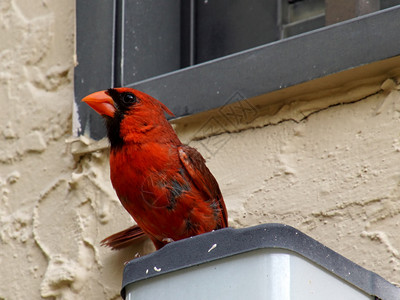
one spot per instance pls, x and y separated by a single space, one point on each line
129 98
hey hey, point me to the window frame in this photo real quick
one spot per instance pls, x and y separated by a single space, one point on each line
251 73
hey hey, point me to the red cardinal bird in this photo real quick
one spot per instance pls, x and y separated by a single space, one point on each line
164 185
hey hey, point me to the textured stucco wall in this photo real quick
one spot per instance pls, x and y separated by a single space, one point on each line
328 166
330 170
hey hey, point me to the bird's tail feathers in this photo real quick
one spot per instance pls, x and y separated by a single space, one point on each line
124 238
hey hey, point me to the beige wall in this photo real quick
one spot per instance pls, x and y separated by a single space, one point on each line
323 157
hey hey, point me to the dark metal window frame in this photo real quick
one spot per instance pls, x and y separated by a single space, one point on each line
251 73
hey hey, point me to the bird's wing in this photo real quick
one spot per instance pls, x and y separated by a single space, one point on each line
202 178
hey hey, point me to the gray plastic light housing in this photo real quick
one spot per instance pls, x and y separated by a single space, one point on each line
269 261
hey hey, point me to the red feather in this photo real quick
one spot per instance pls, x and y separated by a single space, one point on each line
163 184
124 238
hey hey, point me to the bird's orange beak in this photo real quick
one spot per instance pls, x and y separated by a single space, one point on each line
101 102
